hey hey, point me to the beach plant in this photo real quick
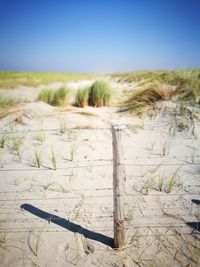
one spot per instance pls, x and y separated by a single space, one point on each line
47 186
63 127
17 141
155 86
194 132
53 159
182 125
46 95
2 141
161 182
173 181
3 240
37 159
165 149
34 249
100 94
172 129
81 98
41 137
149 183
144 98
72 152
155 169
7 101
193 156
59 97
54 97
65 188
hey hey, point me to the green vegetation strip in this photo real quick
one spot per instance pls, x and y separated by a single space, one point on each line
14 79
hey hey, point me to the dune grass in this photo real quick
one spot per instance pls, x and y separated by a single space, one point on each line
7 101
63 127
14 79
41 137
184 86
37 160
147 96
81 99
54 97
53 160
3 140
100 94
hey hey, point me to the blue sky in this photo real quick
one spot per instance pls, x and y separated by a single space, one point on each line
99 35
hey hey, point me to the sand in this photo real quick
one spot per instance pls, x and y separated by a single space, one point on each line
64 217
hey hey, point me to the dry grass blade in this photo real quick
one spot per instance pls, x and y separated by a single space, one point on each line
37 159
34 249
63 127
53 160
149 183
165 149
173 181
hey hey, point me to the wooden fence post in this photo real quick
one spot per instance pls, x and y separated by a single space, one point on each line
118 187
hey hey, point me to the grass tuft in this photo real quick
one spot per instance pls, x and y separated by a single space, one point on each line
37 159
63 127
7 101
173 181
3 240
147 96
165 149
34 247
72 152
100 94
149 183
53 160
17 141
161 182
161 85
81 99
41 137
54 97
2 141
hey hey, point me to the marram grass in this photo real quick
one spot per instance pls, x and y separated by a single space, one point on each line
54 97
100 94
81 99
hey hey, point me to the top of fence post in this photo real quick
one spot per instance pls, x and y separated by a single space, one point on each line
118 126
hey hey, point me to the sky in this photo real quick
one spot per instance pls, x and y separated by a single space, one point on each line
99 36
